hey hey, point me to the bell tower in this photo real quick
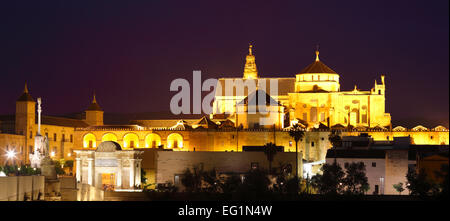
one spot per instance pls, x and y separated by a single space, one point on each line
94 114
25 120
25 113
250 71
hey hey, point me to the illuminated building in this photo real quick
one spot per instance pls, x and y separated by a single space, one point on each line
312 98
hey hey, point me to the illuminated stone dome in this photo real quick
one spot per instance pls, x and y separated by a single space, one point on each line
108 146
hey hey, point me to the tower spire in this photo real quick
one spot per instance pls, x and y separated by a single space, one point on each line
250 70
94 100
25 90
317 54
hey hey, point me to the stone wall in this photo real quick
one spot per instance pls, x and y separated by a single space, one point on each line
396 169
19 188
171 163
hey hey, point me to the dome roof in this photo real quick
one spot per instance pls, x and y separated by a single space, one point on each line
317 67
108 146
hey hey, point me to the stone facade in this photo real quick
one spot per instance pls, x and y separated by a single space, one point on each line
170 164
109 167
396 169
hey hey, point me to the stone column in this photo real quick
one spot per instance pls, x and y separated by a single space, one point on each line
79 168
132 172
90 171
119 174
138 172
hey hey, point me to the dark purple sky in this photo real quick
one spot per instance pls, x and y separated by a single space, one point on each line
130 51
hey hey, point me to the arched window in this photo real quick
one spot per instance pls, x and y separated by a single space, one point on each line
89 141
130 140
313 114
109 137
152 140
175 140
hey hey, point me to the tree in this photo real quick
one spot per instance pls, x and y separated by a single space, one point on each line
270 150
399 187
231 184
292 185
210 178
285 182
443 175
296 132
143 177
256 182
356 181
417 182
335 138
58 167
331 181
191 180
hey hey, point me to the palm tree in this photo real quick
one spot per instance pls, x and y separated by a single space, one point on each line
296 132
270 150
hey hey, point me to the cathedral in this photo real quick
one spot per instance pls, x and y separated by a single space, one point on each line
311 98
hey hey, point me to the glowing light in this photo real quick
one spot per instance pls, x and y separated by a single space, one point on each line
69 154
89 141
52 154
10 154
109 137
130 140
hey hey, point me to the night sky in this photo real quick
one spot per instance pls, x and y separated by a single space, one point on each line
128 52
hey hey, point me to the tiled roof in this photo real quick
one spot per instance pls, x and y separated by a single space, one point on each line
162 123
94 107
113 127
60 121
317 67
285 86
25 97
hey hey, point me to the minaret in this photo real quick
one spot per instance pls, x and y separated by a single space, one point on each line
250 71
94 114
